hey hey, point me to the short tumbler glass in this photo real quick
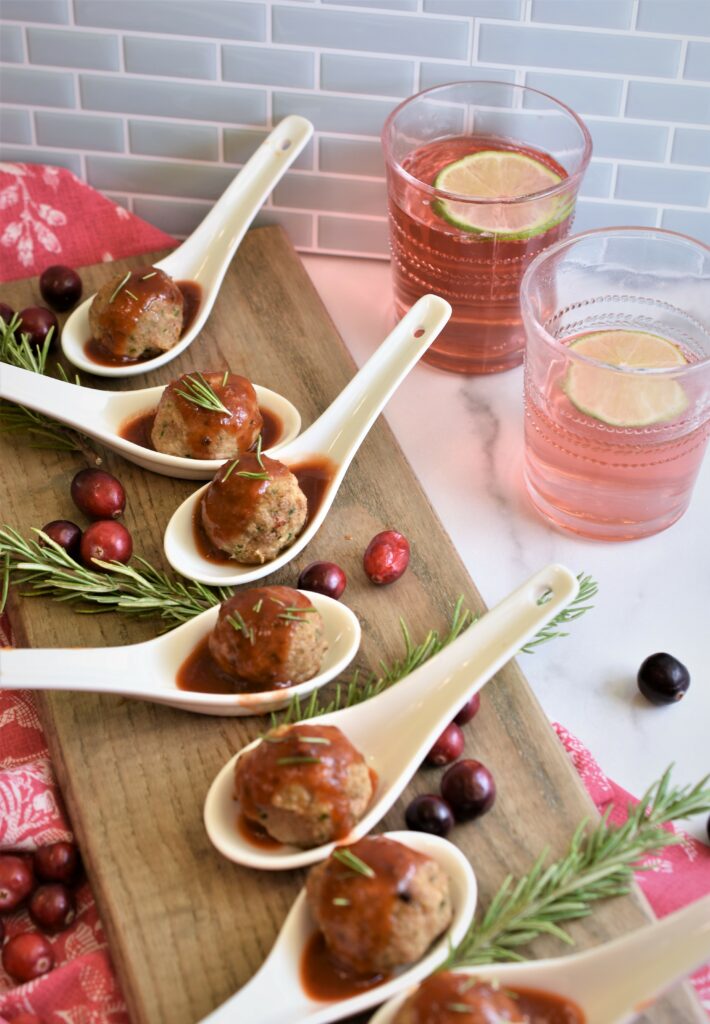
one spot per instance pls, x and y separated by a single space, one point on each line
473 248
613 446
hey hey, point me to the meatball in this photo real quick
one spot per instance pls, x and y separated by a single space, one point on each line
304 784
385 917
439 1000
137 314
253 508
187 428
269 637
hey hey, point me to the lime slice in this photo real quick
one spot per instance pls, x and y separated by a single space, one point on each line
626 400
498 174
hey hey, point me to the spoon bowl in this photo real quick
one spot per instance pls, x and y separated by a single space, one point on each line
335 436
148 671
613 983
206 254
275 994
421 706
102 415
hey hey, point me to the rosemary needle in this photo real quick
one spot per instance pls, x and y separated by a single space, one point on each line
125 280
230 471
298 759
352 861
200 393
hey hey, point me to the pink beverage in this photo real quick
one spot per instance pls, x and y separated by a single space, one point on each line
481 177
617 414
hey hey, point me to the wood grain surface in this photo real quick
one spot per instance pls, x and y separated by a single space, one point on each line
186 927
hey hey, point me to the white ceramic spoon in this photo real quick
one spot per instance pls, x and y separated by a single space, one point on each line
395 730
102 414
275 994
206 254
614 983
336 435
148 671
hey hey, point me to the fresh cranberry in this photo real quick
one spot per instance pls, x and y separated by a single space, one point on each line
323 578
66 534
663 679
52 907
469 710
60 287
386 557
108 541
6 313
16 880
37 322
448 746
429 813
98 494
27 956
57 862
469 789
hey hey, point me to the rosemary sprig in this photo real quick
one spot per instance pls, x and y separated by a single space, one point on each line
201 393
298 759
253 476
230 470
600 862
119 286
587 590
352 861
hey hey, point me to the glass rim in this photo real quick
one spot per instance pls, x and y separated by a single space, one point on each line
560 187
554 343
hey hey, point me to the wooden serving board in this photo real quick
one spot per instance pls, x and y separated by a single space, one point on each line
186 927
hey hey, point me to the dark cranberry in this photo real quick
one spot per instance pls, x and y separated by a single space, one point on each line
66 534
469 710
429 813
323 578
16 880
469 789
386 557
60 287
448 746
6 313
27 956
106 540
663 679
97 494
37 322
52 907
58 862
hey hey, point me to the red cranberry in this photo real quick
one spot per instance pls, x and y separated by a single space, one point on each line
27 1018
58 862
27 956
448 746
323 578
469 710
97 494
60 287
37 322
6 313
52 907
663 679
66 534
386 557
107 541
429 813
469 789
16 880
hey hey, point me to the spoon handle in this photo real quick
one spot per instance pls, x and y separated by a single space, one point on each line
339 431
75 668
62 401
211 246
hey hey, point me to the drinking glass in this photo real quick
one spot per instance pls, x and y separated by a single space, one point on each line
473 246
613 446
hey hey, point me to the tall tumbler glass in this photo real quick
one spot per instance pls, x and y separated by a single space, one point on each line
617 379
481 176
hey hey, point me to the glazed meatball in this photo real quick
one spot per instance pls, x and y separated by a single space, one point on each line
439 1000
304 784
373 922
253 508
269 637
137 315
185 427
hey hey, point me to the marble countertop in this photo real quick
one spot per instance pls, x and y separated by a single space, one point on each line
464 438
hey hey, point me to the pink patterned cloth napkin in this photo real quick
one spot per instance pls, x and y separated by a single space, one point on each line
48 216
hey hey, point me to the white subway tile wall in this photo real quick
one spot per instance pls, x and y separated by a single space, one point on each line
157 102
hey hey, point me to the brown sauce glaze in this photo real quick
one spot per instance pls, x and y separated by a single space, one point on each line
192 299
324 980
199 673
252 833
313 475
138 429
